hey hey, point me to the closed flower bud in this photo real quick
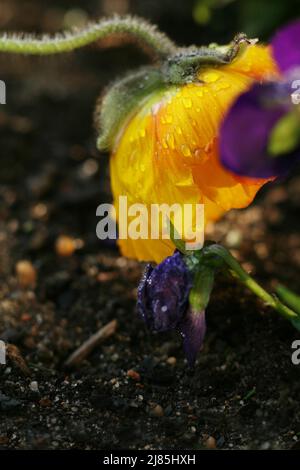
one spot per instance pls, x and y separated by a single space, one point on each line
165 301
163 293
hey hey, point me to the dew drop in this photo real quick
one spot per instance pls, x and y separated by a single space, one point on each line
171 141
223 86
200 156
186 152
211 77
169 119
164 144
247 67
179 130
187 102
208 147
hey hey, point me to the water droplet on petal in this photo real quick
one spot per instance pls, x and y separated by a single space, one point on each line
187 102
211 77
222 86
164 144
200 156
208 147
171 141
186 152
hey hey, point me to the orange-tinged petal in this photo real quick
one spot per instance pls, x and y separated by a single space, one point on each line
168 151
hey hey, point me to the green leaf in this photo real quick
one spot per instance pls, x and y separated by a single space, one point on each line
285 136
292 300
289 297
296 323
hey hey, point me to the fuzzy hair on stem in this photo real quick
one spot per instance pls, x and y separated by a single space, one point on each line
135 28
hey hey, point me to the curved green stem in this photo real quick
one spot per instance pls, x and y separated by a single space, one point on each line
136 28
237 270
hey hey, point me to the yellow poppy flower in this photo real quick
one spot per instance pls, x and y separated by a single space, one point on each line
167 152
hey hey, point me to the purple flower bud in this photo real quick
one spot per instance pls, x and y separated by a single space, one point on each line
192 330
163 302
163 293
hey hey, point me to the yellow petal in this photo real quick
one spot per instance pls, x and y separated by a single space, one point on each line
168 151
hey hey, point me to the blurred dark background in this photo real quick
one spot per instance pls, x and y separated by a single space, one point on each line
186 21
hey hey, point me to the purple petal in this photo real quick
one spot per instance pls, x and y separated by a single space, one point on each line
286 46
192 330
246 131
163 293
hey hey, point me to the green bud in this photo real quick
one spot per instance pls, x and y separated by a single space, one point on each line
202 288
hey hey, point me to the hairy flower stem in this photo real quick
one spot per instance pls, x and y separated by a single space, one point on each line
135 28
238 272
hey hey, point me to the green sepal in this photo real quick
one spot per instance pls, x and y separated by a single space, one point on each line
175 238
202 287
184 65
289 297
285 135
122 98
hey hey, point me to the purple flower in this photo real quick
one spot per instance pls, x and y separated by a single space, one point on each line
250 143
163 303
286 46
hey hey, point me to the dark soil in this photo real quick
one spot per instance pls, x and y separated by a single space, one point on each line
244 391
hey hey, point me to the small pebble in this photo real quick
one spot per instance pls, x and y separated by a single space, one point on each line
4 440
133 375
233 238
34 386
26 273
65 246
156 411
211 443
45 402
171 361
